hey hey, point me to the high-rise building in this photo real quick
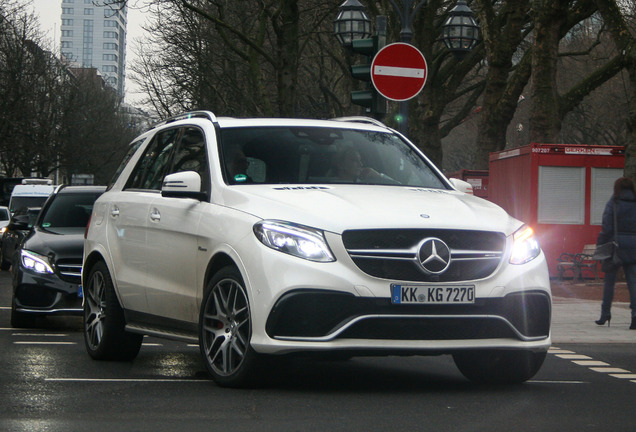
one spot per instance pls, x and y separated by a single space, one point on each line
94 35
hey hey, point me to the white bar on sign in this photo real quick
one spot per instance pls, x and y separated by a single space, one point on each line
398 71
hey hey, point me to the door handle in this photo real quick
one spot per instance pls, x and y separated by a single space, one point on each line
114 212
155 215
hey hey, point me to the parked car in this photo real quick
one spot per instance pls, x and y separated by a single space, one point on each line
19 226
254 238
5 218
47 271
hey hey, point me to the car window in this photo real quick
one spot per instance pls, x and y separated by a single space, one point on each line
71 210
191 155
4 214
293 155
153 165
131 151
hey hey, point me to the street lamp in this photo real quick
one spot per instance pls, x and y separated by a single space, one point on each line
461 32
352 23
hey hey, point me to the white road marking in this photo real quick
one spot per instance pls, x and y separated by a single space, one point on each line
124 380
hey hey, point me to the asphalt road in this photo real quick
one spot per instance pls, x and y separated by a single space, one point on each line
48 383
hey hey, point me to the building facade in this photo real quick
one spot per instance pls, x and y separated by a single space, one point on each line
94 36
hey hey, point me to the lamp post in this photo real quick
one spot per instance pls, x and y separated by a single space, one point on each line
460 32
351 23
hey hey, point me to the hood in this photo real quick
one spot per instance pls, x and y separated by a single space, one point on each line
70 244
337 208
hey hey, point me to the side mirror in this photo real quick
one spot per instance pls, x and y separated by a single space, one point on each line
462 186
186 184
20 222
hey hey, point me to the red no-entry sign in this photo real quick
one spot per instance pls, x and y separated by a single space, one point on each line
398 71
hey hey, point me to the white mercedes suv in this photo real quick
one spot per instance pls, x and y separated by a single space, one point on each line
263 237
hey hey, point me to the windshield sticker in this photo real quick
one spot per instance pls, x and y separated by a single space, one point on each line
240 178
440 191
301 188
46 224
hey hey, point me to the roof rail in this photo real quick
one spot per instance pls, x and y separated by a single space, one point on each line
188 115
361 119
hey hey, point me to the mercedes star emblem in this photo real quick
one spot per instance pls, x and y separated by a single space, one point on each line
433 255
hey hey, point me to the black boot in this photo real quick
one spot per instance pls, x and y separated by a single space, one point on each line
606 318
633 325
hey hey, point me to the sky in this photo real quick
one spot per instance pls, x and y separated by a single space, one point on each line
49 14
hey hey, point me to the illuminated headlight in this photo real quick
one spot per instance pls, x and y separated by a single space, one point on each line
2 230
36 262
296 240
525 246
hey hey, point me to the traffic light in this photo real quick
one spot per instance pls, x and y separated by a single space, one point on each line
369 98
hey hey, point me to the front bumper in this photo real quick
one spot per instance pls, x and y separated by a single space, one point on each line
321 316
45 294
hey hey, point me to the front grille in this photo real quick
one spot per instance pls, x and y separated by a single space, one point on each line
392 253
70 270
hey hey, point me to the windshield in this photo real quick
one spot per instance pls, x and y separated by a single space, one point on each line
26 201
317 155
69 210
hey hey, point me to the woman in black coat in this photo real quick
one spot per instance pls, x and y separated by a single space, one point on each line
624 198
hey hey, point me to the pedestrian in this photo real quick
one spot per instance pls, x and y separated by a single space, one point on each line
624 201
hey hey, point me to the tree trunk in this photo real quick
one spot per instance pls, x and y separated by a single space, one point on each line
545 118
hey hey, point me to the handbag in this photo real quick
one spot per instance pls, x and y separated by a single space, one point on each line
608 252
605 250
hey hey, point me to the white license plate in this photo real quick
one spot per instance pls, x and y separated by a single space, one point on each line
430 294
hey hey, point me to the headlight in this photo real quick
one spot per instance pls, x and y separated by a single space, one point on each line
36 262
525 246
296 240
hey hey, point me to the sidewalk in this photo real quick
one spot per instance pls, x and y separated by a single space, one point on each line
575 306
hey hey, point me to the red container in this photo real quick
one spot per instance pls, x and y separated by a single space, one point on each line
560 190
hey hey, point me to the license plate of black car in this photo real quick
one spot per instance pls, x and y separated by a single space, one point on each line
431 294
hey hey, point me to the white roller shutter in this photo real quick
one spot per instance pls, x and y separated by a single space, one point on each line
561 195
602 188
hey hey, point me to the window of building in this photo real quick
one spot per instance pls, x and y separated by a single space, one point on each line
110 46
111 23
110 57
68 1
67 11
67 22
88 11
561 195
67 33
110 35
67 44
109 69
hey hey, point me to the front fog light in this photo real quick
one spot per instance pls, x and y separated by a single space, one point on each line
525 246
297 240
35 262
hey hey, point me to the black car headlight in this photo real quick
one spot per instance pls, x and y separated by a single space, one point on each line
525 246
35 262
297 240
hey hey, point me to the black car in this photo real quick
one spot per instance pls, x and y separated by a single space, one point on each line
18 227
46 275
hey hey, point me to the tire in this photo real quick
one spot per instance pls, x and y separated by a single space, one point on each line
225 330
499 366
20 319
105 336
